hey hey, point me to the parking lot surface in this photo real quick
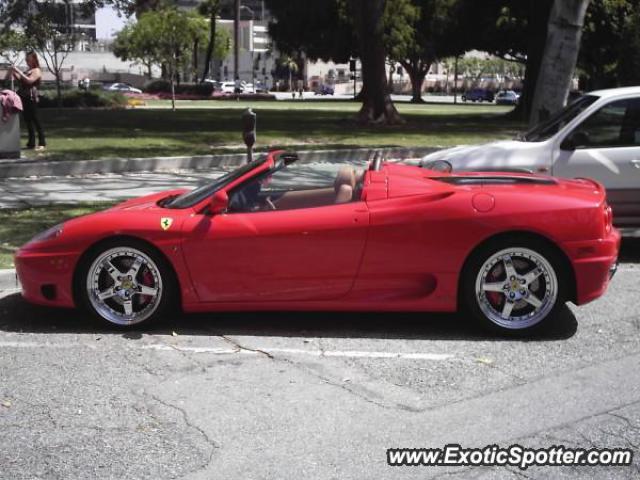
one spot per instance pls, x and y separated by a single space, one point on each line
312 395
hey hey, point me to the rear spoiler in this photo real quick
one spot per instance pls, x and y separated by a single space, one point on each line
593 182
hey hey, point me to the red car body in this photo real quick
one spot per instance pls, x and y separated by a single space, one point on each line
400 247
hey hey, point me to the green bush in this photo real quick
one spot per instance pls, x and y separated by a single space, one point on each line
157 86
163 86
82 99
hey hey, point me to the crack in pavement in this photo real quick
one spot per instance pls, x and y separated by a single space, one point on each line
213 445
324 379
239 347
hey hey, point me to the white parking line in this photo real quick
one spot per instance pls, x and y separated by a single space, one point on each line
163 347
297 351
10 344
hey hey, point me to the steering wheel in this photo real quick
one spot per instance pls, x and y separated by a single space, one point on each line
376 164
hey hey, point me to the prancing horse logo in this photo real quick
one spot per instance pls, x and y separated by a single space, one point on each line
165 223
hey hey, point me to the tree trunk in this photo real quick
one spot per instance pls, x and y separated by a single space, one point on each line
210 46
559 59
538 19
417 71
194 75
173 88
377 107
58 74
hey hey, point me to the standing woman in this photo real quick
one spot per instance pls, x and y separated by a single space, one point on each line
29 83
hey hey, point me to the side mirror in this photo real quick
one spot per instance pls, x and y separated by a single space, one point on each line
575 140
219 202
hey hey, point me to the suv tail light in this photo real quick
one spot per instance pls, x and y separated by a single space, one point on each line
608 219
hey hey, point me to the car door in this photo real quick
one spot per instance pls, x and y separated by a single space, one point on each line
281 255
606 147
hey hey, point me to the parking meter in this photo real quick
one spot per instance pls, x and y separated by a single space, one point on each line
249 131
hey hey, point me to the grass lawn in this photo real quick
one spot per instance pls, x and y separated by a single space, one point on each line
18 226
205 127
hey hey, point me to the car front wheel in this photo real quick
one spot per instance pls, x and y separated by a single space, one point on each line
125 285
514 289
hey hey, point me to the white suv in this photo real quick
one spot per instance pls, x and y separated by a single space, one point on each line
597 136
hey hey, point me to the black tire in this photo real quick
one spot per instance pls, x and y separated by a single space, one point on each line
475 302
158 267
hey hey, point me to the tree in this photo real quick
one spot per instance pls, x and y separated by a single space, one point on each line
134 44
338 30
321 29
290 64
557 69
628 71
400 20
514 30
169 34
12 44
49 33
610 51
377 106
434 35
210 9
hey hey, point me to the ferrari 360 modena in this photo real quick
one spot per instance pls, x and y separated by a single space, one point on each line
507 249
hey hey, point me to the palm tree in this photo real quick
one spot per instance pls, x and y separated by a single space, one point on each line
291 65
210 9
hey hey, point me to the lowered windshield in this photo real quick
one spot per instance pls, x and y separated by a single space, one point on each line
193 197
551 126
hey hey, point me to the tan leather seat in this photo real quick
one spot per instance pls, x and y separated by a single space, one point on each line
344 185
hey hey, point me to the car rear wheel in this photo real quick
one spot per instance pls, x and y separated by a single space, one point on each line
514 288
126 284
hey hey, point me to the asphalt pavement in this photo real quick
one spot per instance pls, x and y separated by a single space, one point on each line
311 395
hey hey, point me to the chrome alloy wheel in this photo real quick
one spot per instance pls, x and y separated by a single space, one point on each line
516 288
124 286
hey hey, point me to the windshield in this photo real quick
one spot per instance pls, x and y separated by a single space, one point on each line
193 197
550 127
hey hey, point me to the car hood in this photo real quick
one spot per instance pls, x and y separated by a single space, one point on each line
504 154
147 201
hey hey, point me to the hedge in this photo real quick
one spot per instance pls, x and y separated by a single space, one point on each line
163 86
83 99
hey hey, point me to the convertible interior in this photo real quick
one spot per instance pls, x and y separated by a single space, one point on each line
347 187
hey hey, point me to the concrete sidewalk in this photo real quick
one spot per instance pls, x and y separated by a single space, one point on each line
25 192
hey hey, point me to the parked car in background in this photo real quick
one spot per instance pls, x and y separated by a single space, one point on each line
597 136
478 95
507 97
122 87
227 87
324 90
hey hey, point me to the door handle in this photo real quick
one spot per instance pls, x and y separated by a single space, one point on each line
635 163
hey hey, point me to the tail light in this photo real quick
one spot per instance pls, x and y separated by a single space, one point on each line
608 219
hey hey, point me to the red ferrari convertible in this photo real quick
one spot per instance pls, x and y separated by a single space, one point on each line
508 249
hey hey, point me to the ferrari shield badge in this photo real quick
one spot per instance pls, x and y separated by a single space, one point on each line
165 223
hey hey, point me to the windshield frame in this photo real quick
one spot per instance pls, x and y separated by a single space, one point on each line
559 120
199 194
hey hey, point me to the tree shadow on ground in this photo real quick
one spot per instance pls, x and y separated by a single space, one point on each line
16 315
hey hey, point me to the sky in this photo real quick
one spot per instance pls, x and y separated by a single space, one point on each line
108 23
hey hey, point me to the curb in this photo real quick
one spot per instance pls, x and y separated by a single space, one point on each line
61 168
8 279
